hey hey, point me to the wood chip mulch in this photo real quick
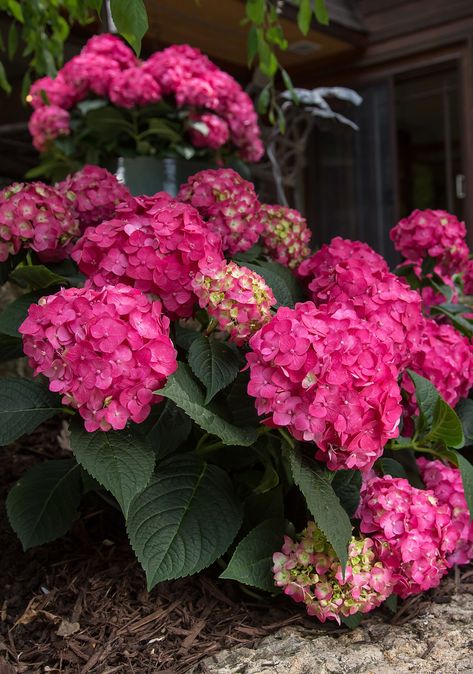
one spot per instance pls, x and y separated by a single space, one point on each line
80 605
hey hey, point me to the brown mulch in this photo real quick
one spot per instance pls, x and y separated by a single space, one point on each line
80 605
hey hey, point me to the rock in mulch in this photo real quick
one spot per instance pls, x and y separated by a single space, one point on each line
438 641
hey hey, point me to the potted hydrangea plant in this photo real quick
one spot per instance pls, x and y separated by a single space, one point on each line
154 122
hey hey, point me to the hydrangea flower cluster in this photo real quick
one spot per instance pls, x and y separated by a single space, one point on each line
229 205
445 357
47 124
107 68
208 130
194 81
159 251
432 233
412 530
325 376
285 235
237 298
310 572
105 351
446 483
383 299
94 194
36 216
339 251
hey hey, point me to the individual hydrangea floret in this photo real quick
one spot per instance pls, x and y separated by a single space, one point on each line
237 298
433 233
445 357
94 194
48 123
446 483
159 252
208 130
133 87
309 571
111 47
105 351
325 376
49 91
377 295
36 216
413 532
286 235
228 203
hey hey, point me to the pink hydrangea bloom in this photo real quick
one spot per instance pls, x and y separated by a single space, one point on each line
105 351
217 133
90 73
56 91
285 235
309 571
324 262
112 48
47 124
159 252
237 298
36 216
361 280
195 81
94 194
446 483
436 234
325 376
133 87
413 532
445 357
228 204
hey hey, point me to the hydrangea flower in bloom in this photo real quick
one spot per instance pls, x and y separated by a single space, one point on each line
445 357
217 133
436 234
36 216
325 376
133 87
195 81
446 483
111 47
90 73
105 351
413 532
159 252
94 194
383 299
309 571
285 235
47 124
228 203
56 91
340 250
237 298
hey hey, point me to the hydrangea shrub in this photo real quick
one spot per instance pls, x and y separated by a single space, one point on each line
227 387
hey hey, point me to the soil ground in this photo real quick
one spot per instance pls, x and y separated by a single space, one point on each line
80 604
